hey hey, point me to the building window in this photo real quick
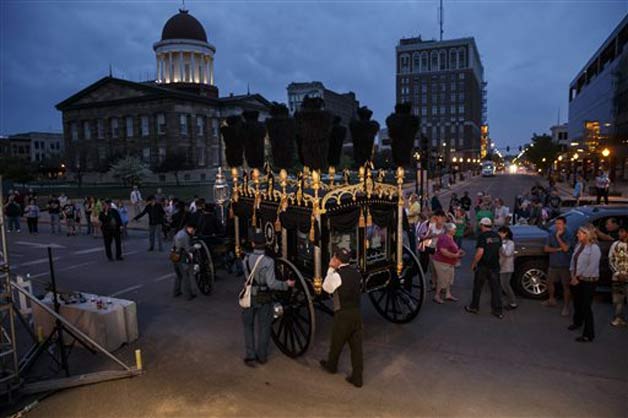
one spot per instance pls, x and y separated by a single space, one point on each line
200 152
100 128
434 61
452 97
87 132
161 124
424 62
416 62
453 130
146 154
183 124
144 121
215 127
424 99
203 176
434 110
186 177
461 97
129 126
187 72
162 178
161 154
442 110
74 131
423 111
452 110
114 128
462 58
36 145
443 60
404 64
453 59
461 109
200 131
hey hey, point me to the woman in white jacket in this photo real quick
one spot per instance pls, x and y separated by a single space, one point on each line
507 266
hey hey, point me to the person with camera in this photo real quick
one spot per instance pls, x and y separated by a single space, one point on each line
261 270
344 283
181 257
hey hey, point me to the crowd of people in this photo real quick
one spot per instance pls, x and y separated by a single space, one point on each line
574 256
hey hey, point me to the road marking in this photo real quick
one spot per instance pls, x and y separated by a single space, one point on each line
75 266
164 277
36 245
38 261
128 289
130 253
89 250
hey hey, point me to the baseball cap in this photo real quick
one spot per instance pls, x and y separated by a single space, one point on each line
259 238
486 222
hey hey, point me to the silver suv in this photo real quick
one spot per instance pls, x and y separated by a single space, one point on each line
531 262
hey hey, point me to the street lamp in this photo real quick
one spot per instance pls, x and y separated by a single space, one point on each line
221 193
606 152
560 158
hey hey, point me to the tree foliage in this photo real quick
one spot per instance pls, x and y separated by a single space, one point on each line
130 170
174 162
15 169
542 147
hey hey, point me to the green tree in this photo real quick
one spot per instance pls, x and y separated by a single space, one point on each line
130 170
542 152
174 162
16 169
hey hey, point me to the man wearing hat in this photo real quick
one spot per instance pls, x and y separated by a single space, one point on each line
344 282
182 247
486 267
264 281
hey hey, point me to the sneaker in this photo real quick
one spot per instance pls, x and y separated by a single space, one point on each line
565 311
498 315
354 381
511 306
573 327
326 367
584 339
550 303
470 309
618 322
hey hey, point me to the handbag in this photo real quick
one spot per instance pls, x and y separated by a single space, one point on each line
245 294
175 256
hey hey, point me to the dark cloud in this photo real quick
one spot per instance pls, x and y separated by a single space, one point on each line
531 50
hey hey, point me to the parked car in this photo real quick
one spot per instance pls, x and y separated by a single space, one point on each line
530 278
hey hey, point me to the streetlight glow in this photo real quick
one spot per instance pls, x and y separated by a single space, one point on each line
606 152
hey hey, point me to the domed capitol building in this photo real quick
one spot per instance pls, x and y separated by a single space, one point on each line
177 113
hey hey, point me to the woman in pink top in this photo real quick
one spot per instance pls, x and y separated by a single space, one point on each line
445 259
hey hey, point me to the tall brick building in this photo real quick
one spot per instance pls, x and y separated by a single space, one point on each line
179 112
444 81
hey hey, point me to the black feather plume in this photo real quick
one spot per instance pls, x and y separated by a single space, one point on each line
336 139
281 131
363 131
232 137
402 129
253 133
313 128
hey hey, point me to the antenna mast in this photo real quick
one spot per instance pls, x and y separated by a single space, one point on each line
441 18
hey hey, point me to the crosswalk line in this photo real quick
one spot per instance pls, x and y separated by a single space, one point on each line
126 290
89 251
35 262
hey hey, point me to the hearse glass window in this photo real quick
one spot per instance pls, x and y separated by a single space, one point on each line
377 242
347 240
305 250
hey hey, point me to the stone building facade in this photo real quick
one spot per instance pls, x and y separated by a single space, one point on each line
178 113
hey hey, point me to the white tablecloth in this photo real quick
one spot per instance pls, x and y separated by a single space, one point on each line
110 328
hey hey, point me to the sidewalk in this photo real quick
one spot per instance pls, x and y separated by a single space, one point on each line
565 190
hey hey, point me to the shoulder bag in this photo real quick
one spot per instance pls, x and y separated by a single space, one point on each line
245 293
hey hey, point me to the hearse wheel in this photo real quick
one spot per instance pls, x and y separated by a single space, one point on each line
402 297
293 327
204 272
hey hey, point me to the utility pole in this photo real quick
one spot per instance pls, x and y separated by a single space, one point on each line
441 19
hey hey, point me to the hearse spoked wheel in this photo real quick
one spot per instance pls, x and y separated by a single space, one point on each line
293 329
204 272
401 299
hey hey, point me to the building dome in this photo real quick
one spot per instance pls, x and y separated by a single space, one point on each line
183 26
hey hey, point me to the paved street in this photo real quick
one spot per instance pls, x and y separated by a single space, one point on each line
446 362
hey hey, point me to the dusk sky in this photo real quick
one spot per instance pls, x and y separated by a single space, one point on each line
531 50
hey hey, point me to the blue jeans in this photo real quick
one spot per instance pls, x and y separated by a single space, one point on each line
264 316
154 231
183 279
14 223
54 223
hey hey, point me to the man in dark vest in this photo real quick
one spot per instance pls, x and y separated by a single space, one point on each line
343 282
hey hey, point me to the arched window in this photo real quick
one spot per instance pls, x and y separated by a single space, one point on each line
442 55
453 59
416 63
434 61
425 65
404 63
462 58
